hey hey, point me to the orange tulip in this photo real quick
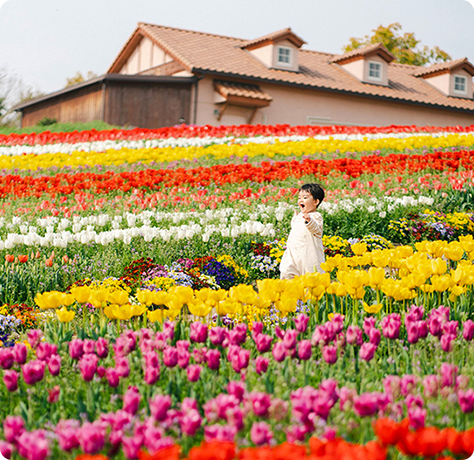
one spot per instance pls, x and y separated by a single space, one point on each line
10 258
49 262
23 259
390 432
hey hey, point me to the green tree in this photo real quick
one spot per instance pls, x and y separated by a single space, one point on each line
79 78
406 48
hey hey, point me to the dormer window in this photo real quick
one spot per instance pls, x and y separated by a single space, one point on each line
284 55
375 71
460 84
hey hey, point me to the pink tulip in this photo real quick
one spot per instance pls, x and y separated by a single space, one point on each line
451 327
6 358
20 353
391 384
260 433
53 394
76 348
466 400
199 355
131 400
289 339
391 326
407 384
346 398
430 386
260 403
112 376
198 332
261 365
191 422
217 335
447 342
183 345
366 404
89 346
263 343
91 437
338 323
152 375
369 323
159 407
236 389
213 359
413 334
367 351
13 427
151 359
131 446
88 366
6 449
448 375
183 358
102 348
33 371
193 372
257 329
304 350
468 330
122 366
354 335
417 417
374 336
67 430
34 337
330 354
33 446
54 364
100 371
10 379
435 325
301 322
279 351
238 334
220 433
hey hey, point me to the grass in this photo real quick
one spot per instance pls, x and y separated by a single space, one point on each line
59 127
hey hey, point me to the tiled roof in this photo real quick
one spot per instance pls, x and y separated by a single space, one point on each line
226 88
364 51
223 56
280 34
445 66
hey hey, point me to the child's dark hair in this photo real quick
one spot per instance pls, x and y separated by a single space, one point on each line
317 192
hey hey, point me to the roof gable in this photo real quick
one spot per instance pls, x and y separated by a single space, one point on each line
284 34
362 53
445 67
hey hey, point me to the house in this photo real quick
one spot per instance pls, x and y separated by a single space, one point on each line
165 76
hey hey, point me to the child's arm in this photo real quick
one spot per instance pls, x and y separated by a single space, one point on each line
314 223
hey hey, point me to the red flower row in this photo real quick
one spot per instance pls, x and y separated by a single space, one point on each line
155 179
48 137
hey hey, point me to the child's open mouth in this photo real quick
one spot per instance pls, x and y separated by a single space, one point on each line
302 206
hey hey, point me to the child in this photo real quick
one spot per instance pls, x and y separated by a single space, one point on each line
304 249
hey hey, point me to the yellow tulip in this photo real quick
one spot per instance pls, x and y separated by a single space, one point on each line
357 279
454 251
199 308
457 290
156 316
64 315
54 299
441 283
286 305
376 276
373 309
161 298
341 290
359 248
467 243
144 297
40 300
81 293
318 292
184 293
438 266
118 297
243 294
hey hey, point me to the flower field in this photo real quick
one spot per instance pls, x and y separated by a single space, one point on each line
142 315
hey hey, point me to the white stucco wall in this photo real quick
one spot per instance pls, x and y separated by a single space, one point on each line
145 56
293 106
440 82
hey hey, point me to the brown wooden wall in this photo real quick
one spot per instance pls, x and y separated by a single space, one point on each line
147 105
78 106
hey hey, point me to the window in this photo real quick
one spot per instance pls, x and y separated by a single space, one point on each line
460 84
284 55
375 71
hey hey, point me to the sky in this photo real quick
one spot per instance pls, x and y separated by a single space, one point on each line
43 42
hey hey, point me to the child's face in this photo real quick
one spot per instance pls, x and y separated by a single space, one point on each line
306 202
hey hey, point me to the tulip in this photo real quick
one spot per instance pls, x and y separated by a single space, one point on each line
53 394
374 336
279 351
369 323
391 384
13 427
193 372
131 446
88 366
213 359
366 404
238 334
152 375
451 327
447 342
391 326
131 400
33 445
435 325
260 433
91 437
407 384
301 322
263 343
466 400
198 332
112 376
183 358
304 350
20 353
413 334
289 339
330 354
354 335
170 356
10 379
217 335
66 431
417 417
6 449
54 365
122 366
64 315
448 375
191 422
45 350
159 407
76 348
6 358
33 371
34 337
236 389
257 328
100 371
261 365
10 258
468 330
367 351
102 347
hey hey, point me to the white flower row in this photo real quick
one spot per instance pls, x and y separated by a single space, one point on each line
102 146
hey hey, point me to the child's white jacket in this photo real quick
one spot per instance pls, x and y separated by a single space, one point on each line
304 248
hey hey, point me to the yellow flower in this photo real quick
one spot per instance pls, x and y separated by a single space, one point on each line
373 309
81 293
64 315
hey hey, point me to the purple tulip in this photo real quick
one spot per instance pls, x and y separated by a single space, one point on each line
10 379
193 372
279 351
451 327
260 433
34 337
112 376
354 335
416 313
304 350
413 332
435 325
33 371
54 365
468 330
466 400
20 353
301 322
263 343
6 358
91 437
102 347
76 348
423 329
261 365
198 332
330 354
6 449
213 358
367 351
88 366
159 407
217 335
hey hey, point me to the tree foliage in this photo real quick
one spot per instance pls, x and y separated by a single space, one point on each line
405 47
79 78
